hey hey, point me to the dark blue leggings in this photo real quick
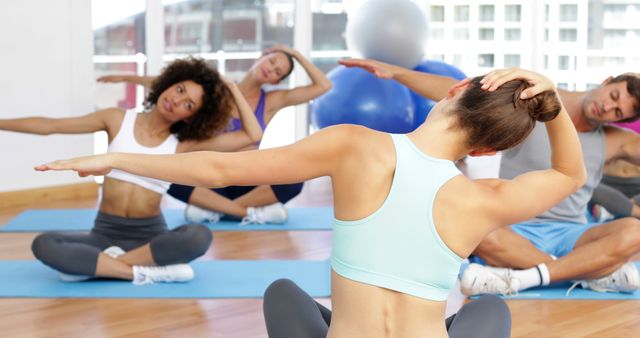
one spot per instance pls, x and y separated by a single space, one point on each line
284 192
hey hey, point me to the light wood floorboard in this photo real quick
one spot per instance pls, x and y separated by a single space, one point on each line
243 318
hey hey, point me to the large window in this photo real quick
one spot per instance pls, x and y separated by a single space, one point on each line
229 34
589 38
119 46
201 26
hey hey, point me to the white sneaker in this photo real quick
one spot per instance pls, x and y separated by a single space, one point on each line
65 277
162 274
275 213
479 279
195 214
625 279
113 251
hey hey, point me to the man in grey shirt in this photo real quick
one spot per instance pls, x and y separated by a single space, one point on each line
560 244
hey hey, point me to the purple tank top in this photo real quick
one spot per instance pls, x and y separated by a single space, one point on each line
236 124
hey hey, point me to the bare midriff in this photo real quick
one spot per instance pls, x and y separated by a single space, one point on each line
124 199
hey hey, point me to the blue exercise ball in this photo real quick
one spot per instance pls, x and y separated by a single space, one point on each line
422 105
359 97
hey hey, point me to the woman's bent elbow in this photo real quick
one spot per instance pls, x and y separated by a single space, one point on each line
581 177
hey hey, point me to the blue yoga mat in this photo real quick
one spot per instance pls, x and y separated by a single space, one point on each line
559 290
38 220
214 279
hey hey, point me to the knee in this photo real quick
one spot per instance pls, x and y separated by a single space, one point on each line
197 239
493 317
181 245
42 244
495 307
277 292
491 243
629 236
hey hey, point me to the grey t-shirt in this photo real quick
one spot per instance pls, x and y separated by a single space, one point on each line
535 154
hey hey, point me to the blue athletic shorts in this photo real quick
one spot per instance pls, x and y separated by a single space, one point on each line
554 238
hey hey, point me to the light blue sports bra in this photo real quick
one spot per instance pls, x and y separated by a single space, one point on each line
397 247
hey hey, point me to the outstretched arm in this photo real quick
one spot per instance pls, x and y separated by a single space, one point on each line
530 194
317 155
95 121
319 85
434 87
145 81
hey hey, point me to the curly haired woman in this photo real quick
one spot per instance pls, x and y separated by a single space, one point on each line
188 103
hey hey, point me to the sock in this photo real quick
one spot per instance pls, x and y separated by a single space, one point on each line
536 276
544 273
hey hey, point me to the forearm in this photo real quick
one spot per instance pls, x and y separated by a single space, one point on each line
431 86
566 152
247 117
318 78
145 81
31 125
170 168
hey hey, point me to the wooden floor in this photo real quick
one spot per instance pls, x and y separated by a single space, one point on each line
243 318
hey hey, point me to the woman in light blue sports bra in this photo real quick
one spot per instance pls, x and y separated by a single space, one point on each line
405 216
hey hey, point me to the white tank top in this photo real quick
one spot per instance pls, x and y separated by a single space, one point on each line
125 142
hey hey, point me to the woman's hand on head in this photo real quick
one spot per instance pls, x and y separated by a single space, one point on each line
228 82
89 165
377 68
282 48
539 83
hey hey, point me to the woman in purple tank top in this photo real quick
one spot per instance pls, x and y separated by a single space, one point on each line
262 204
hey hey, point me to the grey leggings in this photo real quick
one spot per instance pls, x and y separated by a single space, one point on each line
77 253
291 312
630 186
613 200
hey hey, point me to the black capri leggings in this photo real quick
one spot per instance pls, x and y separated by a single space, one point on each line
291 312
77 253
284 192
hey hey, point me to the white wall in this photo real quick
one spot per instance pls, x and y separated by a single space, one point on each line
46 69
